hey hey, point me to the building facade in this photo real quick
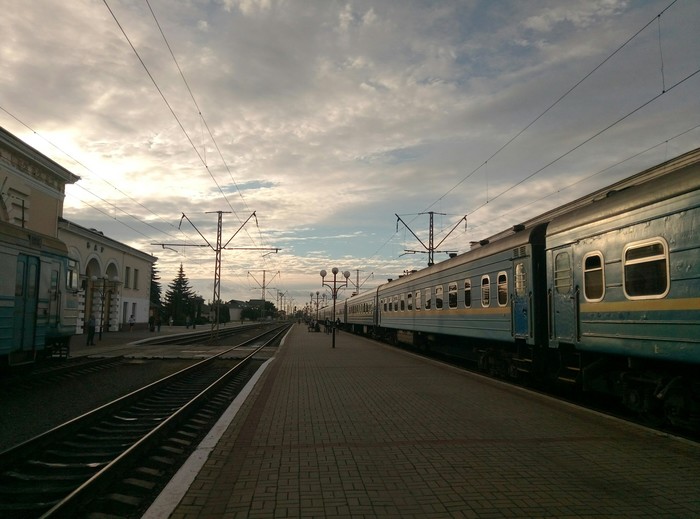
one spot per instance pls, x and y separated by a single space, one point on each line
115 278
32 186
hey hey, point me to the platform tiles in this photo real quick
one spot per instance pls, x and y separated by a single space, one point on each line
364 430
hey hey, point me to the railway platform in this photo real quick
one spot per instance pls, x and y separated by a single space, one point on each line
123 337
364 430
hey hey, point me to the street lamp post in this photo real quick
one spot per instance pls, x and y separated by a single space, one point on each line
334 290
317 293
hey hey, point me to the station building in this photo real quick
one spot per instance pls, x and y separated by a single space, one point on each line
114 279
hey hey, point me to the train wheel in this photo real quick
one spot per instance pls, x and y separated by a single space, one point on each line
640 399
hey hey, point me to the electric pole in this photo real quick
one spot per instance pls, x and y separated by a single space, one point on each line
430 248
217 262
263 286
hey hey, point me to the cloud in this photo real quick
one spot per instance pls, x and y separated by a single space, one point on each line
578 14
328 118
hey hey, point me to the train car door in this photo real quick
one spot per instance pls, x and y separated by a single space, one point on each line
564 297
26 300
521 300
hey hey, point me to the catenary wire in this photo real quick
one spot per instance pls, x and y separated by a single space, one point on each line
558 100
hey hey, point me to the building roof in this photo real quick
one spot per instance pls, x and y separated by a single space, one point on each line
94 234
12 142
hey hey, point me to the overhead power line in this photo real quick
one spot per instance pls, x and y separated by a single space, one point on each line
558 100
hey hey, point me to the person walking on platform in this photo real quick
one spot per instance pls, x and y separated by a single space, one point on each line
91 331
132 321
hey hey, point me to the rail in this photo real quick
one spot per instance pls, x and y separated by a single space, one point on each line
57 473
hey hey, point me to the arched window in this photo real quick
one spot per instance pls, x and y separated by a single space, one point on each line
485 291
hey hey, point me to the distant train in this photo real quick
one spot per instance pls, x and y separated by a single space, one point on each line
38 295
602 294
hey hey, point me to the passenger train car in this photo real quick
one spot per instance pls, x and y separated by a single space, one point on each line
602 293
38 295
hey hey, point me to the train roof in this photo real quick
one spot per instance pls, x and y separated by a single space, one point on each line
515 238
11 234
677 164
671 178
667 180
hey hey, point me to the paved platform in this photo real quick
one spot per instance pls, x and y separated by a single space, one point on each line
79 347
364 430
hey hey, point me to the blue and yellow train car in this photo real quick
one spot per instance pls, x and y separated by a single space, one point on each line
360 312
602 293
38 295
624 282
474 304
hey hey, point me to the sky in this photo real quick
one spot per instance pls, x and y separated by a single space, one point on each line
327 119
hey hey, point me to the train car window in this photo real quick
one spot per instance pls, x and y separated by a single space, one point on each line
428 299
520 279
485 291
402 303
409 301
502 287
646 269
562 273
32 289
418 300
54 284
438 297
19 283
72 275
467 293
452 295
593 277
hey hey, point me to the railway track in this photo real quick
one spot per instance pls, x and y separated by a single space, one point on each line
203 336
41 375
115 459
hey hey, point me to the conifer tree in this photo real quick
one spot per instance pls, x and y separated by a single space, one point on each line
156 289
179 298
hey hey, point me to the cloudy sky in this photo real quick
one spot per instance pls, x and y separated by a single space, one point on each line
326 118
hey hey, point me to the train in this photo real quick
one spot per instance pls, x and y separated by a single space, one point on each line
38 296
601 294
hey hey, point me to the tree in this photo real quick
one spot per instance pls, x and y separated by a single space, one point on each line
196 304
156 290
224 312
258 312
179 299
270 309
